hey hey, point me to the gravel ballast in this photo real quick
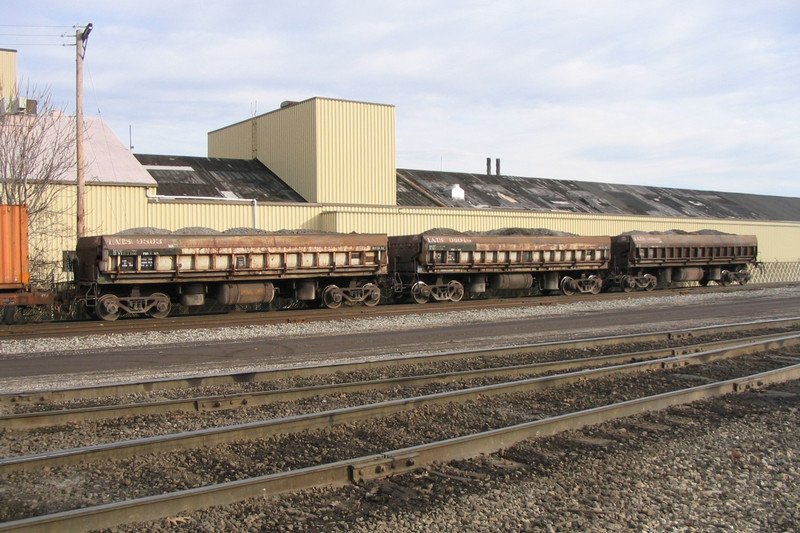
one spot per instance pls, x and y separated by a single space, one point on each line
95 344
728 464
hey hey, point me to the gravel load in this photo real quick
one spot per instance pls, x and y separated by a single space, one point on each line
677 232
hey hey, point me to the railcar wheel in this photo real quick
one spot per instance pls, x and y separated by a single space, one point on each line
627 283
372 294
332 297
420 292
162 308
455 291
743 277
107 308
8 313
597 286
568 286
652 281
33 313
727 278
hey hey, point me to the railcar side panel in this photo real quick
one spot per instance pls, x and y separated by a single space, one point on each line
176 259
464 254
645 250
146 274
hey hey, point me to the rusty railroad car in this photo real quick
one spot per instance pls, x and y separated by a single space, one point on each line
444 267
146 274
645 261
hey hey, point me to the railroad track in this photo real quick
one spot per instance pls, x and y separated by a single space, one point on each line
311 421
395 460
238 400
662 338
232 319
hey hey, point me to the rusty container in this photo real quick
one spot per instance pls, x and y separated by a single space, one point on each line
484 254
14 266
134 259
678 250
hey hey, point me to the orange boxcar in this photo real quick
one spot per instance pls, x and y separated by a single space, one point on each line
14 268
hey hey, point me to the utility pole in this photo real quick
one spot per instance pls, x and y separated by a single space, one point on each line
80 49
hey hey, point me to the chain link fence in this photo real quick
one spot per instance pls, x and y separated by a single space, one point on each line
775 272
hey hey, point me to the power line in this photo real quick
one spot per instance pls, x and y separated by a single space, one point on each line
35 44
26 26
30 35
37 36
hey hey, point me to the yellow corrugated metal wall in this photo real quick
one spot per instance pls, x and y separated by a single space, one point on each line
234 142
111 209
777 240
284 140
177 215
8 74
287 144
52 233
275 217
328 151
356 147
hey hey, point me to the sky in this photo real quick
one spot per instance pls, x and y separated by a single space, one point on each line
698 94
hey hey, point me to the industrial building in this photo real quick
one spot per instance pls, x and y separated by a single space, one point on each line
327 164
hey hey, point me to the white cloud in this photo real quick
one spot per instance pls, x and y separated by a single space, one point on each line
664 93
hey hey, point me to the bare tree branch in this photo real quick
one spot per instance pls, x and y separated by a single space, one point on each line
37 163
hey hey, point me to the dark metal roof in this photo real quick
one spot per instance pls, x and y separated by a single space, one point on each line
235 178
433 189
214 177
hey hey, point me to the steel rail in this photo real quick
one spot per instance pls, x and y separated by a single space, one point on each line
72 328
231 319
311 421
385 464
41 419
128 388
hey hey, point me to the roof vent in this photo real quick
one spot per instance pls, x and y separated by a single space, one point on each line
288 103
489 166
456 192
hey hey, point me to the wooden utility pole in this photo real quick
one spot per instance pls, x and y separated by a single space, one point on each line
80 48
